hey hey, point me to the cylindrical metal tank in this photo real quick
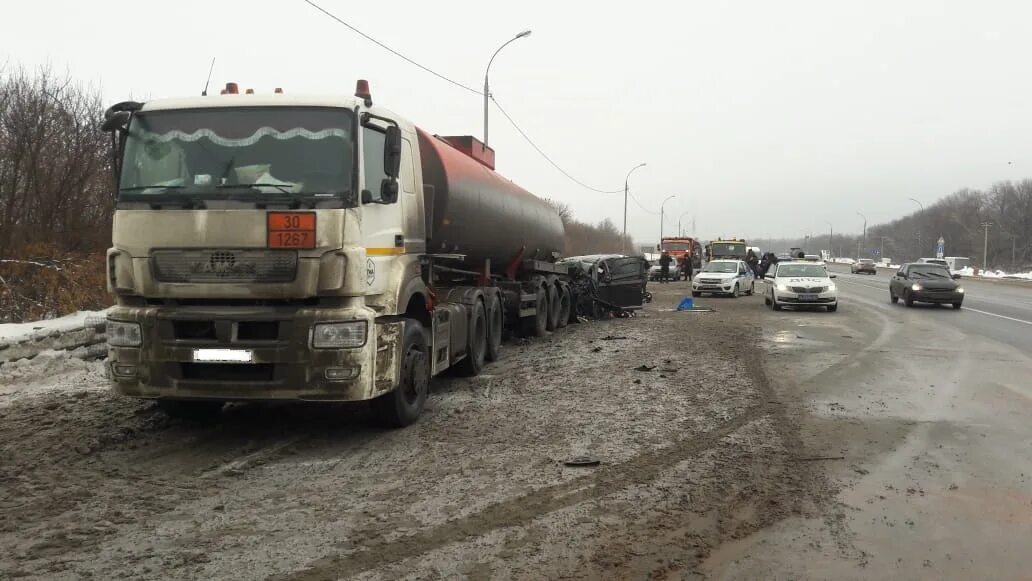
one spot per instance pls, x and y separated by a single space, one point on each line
476 212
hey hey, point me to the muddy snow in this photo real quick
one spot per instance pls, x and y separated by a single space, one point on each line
689 447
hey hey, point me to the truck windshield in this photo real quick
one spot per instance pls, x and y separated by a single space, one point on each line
678 246
724 249
224 153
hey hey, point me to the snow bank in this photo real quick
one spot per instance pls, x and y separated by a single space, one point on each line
968 271
16 331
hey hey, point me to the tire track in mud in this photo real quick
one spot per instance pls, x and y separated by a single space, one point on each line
607 480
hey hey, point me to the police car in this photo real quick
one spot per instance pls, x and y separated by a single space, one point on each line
724 277
800 284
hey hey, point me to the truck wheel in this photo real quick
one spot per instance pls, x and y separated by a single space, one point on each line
402 406
553 307
494 328
565 304
473 364
191 410
536 326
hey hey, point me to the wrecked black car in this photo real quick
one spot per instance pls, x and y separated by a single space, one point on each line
608 283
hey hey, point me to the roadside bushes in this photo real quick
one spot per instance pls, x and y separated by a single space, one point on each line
40 281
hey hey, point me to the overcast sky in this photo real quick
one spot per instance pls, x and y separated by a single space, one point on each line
763 118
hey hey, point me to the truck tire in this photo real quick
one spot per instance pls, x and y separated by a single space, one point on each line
476 352
495 318
536 326
565 305
403 406
553 306
191 410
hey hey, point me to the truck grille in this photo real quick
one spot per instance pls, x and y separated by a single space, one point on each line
224 265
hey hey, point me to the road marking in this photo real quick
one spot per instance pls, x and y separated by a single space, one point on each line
980 312
987 313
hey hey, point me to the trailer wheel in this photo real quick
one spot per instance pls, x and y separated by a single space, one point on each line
473 364
494 328
553 306
403 406
565 305
536 326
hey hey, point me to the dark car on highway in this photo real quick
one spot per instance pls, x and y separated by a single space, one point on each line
865 265
918 282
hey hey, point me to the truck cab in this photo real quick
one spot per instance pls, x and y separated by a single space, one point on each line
265 247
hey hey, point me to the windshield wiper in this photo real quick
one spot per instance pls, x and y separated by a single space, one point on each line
281 187
154 187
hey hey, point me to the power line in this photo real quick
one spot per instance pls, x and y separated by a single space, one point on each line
471 90
545 155
391 50
646 210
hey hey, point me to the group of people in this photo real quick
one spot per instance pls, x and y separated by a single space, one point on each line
665 260
761 266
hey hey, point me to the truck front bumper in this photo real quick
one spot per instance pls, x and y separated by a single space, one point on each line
283 364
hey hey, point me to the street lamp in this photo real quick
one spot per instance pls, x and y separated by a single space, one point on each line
642 164
865 233
487 87
661 209
679 232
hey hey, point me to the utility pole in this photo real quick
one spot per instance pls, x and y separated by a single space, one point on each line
985 245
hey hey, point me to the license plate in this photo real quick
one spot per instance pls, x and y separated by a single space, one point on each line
223 356
807 297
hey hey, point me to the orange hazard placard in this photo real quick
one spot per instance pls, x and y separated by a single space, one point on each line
291 230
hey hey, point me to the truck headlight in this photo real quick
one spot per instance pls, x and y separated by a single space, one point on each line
339 335
122 334
915 287
782 287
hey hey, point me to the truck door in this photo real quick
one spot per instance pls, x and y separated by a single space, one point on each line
624 284
381 221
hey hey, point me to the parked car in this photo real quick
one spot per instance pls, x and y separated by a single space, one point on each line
864 265
800 284
655 270
920 282
724 277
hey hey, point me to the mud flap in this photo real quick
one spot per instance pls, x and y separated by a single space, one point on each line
388 355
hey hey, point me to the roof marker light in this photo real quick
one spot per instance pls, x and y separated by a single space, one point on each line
362 92
232 89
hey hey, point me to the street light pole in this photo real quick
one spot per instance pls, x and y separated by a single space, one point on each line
679 231
624 242
831 234
865 232
919 251
661 209
487 86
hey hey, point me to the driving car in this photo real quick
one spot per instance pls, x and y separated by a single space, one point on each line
864 265
921 282
724 277
800 284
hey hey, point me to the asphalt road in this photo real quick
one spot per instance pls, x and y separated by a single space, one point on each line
919 418
1000 311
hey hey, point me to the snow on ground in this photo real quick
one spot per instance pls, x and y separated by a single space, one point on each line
994 274
71 322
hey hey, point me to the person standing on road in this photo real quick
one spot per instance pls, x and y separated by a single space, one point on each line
664 267
753 262
686 266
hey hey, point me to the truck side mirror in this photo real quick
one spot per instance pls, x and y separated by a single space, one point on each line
388 191
392 151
